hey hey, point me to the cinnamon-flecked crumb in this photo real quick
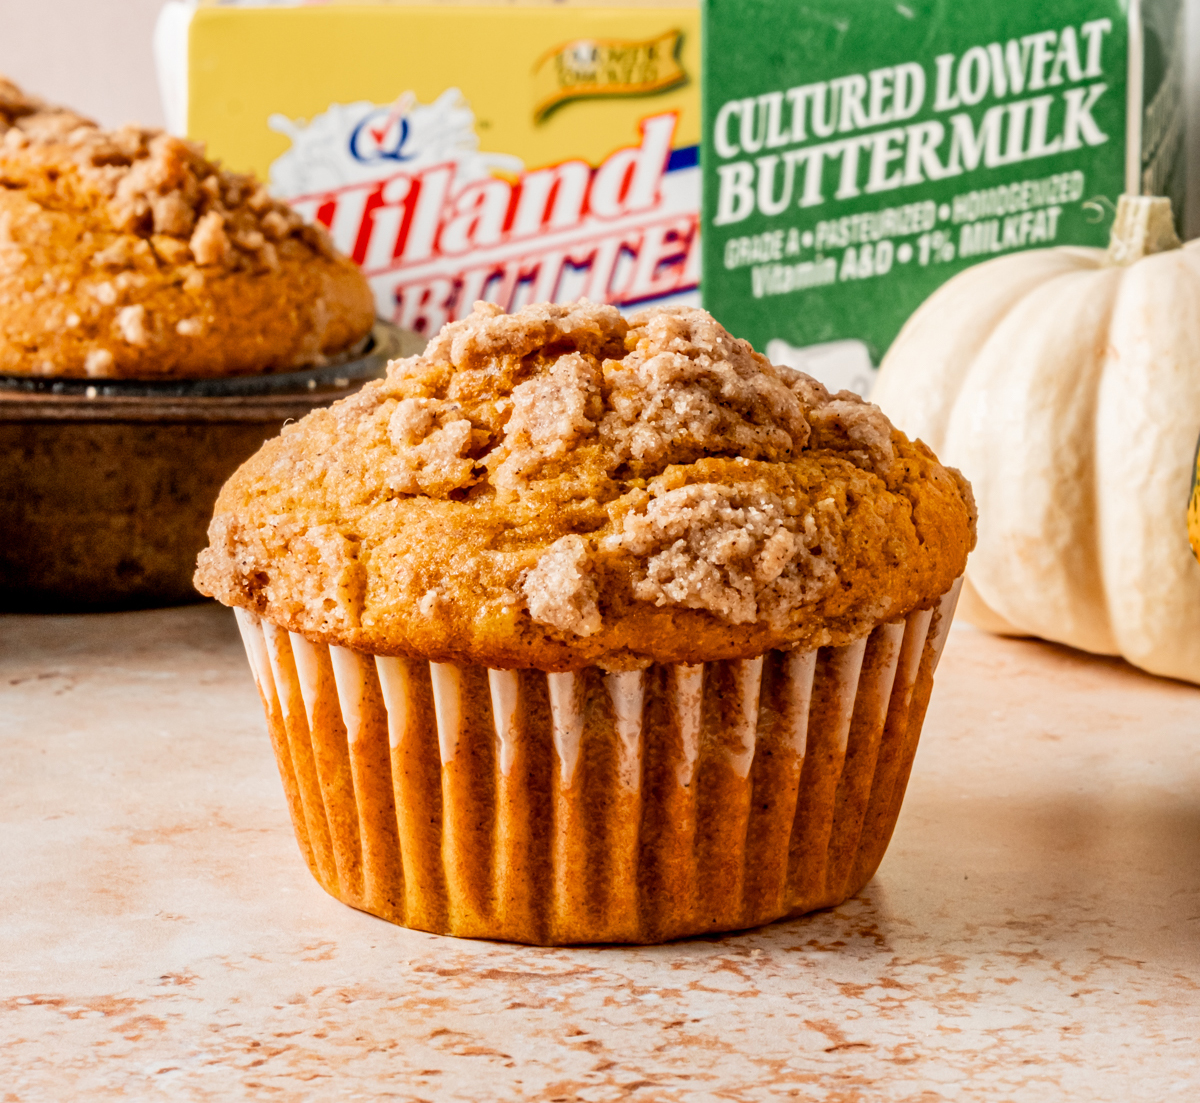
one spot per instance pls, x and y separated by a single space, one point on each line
724 549
133 231
561 592
577 488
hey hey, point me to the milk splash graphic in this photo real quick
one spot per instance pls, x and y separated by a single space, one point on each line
436 223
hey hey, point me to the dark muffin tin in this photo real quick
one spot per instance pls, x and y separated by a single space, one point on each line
107 486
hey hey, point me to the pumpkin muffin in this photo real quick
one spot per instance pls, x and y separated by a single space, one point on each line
126 253
578 628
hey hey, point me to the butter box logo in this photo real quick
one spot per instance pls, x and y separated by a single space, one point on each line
436 223
606 67
384 134
358 142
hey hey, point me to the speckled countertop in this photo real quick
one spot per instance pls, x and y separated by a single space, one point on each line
1033 934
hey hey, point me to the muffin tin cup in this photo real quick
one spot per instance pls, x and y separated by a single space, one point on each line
110 483
594 807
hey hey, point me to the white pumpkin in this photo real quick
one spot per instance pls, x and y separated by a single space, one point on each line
1065 384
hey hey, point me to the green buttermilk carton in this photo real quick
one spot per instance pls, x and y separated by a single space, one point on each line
856 154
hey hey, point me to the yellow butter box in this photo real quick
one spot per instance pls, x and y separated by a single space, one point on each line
514 152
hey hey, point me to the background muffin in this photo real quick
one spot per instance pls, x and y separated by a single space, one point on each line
126 253
583 629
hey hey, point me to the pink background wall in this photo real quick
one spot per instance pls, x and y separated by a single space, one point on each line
91 54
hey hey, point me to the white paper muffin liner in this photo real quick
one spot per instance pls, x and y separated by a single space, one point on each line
594 807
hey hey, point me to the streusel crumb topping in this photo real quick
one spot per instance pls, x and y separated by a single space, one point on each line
579 487
146 182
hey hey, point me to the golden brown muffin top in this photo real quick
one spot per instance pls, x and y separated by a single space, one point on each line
560 487
142 181
127 253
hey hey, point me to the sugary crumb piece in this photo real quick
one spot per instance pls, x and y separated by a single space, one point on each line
706 547
189 327
171 250
116 255
561 592
412 420
688 389
733 551
847 423
275 225
98 362
105 293
131 324
549 414
433 446
209 242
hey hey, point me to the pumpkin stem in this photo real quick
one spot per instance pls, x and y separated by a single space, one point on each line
1143 225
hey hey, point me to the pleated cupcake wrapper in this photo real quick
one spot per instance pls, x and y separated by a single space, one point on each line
594 807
